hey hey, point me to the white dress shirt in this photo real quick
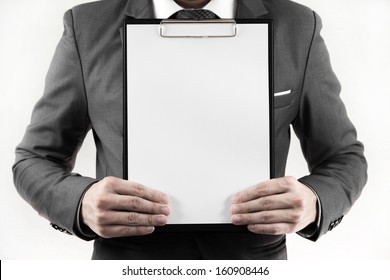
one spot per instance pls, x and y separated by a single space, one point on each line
222 8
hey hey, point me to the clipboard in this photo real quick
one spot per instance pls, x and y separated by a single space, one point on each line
198 114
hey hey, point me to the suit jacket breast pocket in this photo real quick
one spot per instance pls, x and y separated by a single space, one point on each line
283 98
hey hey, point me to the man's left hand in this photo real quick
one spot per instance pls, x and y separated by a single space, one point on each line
276 206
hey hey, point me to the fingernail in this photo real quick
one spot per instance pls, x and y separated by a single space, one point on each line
164 199
236 219
165 210
235 209
252 227
161 220
149 230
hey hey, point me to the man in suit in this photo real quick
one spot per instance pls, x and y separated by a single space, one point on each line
84 90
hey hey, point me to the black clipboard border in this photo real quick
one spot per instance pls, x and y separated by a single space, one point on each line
203 227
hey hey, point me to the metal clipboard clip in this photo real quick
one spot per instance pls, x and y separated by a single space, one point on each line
170 28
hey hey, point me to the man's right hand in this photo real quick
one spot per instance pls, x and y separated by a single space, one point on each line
114 207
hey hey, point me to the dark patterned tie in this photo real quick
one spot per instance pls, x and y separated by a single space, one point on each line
194 14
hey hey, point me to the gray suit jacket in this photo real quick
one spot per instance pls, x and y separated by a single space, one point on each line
84 91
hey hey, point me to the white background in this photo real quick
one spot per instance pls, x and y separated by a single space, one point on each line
357 33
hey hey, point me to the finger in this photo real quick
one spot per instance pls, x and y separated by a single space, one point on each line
268 217
266 188
272 202
131 219
273 229
139 190
137 204
129 188
124 231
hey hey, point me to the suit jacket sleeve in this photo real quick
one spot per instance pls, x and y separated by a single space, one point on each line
45 157
338 169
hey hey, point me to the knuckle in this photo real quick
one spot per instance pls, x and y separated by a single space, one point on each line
136 231
289 180
100 217
266 203
274 230
248 219
299 202
135 203
296 217
126 231
267 217
288 183
154 208
101 202
139 190
108 181
261 189
150 220
132 218
103 232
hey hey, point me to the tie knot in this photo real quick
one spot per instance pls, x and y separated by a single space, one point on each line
194 14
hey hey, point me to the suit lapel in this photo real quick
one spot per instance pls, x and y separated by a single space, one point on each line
139 9
250 9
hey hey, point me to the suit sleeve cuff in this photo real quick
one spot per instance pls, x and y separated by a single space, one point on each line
314 227
83 231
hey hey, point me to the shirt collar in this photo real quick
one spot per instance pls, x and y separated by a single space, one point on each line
223 8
